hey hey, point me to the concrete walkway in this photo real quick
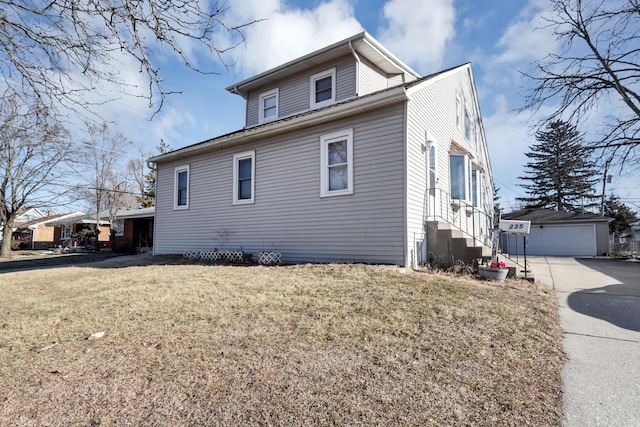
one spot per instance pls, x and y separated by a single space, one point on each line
599 303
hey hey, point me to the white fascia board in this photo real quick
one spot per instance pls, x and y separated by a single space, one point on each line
429 81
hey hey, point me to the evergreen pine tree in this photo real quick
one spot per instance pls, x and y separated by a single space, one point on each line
622 215
561 175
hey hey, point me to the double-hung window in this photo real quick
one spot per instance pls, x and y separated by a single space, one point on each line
66 231
268 106
336 150
244 171
181 188
475 174
323 88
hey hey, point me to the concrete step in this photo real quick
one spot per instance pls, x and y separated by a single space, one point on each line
449 245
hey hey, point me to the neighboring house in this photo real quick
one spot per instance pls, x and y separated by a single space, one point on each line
25 216
67 229
31 214
134 229
38 232
347 155
628 243
556 233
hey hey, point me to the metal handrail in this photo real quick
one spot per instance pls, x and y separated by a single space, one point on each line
470 220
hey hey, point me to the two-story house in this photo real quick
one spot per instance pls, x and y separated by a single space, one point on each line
347 155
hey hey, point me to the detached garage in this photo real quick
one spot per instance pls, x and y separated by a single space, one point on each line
556 233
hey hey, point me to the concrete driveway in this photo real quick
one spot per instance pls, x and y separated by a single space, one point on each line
599 303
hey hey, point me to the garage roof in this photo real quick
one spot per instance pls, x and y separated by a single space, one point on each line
547 216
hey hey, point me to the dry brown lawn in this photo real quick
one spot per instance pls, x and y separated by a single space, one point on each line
198 345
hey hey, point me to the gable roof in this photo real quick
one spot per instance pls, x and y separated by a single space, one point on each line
89 218
363 43
549 215
45 220
308 118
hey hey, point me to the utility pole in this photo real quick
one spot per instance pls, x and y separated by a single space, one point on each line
605 179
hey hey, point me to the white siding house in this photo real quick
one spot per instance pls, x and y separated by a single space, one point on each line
347 155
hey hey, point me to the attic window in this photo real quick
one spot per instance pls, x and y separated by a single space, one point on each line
323 88
269 106
468 125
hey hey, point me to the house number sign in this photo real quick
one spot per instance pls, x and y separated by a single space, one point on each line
515 227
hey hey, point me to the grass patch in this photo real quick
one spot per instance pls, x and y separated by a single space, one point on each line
299 345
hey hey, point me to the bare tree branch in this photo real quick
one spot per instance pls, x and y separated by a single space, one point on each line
61 50
596 72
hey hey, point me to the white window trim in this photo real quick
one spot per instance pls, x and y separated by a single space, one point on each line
274 92
176 171
63 231
433 157
468 133
466 179
236 159
312 86
476 189
325 140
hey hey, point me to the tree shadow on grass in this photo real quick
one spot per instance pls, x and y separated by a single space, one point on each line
101 260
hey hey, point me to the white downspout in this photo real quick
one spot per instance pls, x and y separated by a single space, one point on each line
355 55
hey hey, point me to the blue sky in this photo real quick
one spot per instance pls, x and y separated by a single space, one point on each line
499 38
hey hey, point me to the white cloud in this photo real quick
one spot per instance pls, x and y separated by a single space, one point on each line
508 139
509 136
287 32
417 32
529 37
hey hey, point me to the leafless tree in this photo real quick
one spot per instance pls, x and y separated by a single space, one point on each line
146 182
32 149
136 167
59 51
109 184
595 78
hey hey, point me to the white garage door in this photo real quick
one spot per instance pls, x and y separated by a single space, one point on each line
568 240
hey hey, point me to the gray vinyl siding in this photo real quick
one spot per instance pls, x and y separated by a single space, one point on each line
372 79
288 214
432 111
295 90
396 80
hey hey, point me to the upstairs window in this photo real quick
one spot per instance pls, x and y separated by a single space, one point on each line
336 166
458 111
323 88
268 106
468 126
243 177
181 188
